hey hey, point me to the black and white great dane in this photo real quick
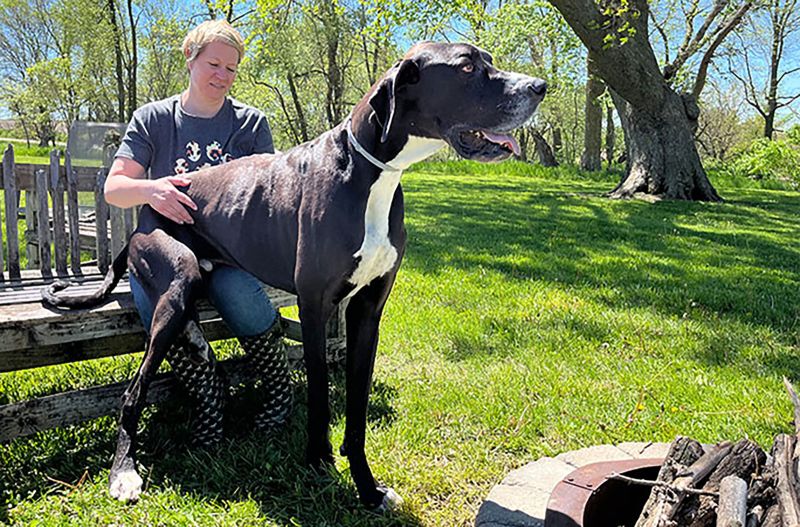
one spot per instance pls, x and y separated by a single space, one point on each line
323 220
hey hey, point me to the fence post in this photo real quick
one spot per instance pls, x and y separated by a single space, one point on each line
43 223
74 215
12 214
59 223
101 221
31 210
117 230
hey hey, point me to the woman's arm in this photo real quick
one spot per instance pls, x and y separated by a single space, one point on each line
127 186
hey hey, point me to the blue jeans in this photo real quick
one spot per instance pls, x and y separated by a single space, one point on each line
237 295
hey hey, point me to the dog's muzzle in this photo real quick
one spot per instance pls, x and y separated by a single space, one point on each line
496 143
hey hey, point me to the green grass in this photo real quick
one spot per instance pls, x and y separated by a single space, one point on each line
531 316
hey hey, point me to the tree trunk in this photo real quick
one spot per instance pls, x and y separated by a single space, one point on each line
298 107
661 156
593 120
543 150
523 144
133 65
611 135
774 70
112 16
658 124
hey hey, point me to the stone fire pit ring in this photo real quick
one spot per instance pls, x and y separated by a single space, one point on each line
521 499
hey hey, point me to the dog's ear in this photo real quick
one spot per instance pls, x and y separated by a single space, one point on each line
382 101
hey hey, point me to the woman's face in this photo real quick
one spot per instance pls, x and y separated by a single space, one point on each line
212 72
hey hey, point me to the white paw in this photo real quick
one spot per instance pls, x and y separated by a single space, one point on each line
391 500
126 486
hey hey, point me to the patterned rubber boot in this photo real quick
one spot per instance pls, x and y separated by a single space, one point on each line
267 356
195 366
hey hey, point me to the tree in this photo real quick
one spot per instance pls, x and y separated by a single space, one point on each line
593 128
720 127
766 43
658 122
611 134
310 61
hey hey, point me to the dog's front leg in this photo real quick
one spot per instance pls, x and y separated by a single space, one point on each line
313 319
363 318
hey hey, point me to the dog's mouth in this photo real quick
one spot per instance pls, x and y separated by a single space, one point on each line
483 145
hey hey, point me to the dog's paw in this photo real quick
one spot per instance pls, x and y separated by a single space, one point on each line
391 500
320 460
126 486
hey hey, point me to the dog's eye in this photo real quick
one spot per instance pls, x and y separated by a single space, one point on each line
468 67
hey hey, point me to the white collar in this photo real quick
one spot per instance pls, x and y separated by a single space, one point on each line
369 157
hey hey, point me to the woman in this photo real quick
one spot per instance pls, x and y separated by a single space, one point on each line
202 127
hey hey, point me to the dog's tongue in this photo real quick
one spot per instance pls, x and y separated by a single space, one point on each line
503 139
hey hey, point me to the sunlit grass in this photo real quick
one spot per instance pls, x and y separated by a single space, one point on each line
531 316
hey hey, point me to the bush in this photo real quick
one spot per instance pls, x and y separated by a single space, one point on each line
765 159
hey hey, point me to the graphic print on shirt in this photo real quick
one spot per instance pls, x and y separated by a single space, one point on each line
194 160
181 166
214 151
193 151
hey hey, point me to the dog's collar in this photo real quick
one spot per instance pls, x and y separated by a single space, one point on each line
369 157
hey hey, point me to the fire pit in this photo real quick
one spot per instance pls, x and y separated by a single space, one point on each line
685 483
522 499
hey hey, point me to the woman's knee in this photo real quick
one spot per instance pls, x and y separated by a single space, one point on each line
241 301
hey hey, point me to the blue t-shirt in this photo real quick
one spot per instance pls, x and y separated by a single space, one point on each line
166 140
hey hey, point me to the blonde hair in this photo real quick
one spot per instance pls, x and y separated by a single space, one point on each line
211 31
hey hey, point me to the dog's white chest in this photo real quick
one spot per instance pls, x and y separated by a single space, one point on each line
376 255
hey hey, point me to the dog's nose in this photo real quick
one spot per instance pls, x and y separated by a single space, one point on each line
538 86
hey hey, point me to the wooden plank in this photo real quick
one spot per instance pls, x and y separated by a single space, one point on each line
10 154
31 251
101 221
32 335
12 233
73 213
59 221
129 338
64 409
87 239
26 176
43 223
118 237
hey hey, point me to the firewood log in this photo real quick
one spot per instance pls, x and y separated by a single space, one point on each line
732 510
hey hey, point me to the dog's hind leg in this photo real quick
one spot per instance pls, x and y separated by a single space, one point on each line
169 319
363 318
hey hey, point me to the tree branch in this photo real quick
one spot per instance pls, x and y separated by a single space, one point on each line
683 51
663 34
785 73
726 28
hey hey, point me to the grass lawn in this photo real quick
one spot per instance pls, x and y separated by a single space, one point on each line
531 316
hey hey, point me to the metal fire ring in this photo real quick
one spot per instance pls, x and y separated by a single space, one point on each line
571 495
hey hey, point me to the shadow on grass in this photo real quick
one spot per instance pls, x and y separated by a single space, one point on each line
737 260
249 465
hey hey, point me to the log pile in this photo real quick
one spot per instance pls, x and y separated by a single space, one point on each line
727 484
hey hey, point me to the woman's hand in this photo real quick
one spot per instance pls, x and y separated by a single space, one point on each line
170 202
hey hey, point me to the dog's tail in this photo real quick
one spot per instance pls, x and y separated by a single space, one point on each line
52 298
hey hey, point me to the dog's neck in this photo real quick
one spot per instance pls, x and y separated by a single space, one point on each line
401 148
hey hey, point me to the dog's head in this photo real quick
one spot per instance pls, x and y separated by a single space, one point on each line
454 93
